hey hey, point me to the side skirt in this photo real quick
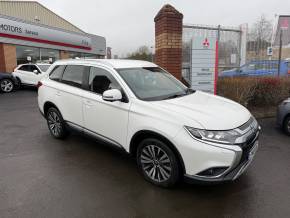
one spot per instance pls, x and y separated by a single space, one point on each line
95 135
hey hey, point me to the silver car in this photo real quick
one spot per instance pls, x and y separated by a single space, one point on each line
283 116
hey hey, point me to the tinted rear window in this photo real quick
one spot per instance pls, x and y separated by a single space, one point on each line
73 75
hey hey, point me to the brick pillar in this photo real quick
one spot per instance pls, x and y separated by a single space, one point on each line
64 55
8 59
168 40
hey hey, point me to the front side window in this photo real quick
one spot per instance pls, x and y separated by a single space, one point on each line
25 68
101 80
56 73
73 75
153 83
33 68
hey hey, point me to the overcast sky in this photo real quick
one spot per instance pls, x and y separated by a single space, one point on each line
128 24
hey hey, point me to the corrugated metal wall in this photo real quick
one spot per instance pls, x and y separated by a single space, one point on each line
35 12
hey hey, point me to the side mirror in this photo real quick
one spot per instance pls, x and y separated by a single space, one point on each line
112 95
35 72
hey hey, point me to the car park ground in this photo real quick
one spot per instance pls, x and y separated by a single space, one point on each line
79 177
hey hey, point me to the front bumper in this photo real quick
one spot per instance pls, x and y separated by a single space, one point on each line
207 162
235 171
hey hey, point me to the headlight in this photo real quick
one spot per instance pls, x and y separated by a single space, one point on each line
224 137
287 101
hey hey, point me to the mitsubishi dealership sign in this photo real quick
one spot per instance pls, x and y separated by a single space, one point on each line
204 64
13 30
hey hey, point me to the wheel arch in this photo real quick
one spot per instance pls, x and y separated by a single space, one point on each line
48 105
285 118
143 134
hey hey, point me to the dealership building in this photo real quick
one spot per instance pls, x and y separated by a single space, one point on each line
31 33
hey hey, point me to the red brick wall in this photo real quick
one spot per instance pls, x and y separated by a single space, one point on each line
8 59
168 40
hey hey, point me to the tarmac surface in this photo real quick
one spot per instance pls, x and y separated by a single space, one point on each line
79 177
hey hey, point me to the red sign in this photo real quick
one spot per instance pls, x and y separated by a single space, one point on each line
206 43
284 24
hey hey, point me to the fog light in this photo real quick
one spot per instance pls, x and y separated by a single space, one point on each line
215 171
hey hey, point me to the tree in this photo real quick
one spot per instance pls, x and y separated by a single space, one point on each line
260 36
142 53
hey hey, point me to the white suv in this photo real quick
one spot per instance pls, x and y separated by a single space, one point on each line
30 74
172 131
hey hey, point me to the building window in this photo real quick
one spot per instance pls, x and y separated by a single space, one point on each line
27 54
73 54
49 55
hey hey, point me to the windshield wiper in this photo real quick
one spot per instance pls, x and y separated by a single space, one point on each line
174 96
187 92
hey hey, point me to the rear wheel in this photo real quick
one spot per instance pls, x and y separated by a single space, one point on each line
6 85
286 125
157 163
56 123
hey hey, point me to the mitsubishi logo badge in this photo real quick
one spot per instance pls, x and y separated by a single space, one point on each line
205 43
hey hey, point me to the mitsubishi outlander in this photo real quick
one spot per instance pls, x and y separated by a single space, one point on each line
171 130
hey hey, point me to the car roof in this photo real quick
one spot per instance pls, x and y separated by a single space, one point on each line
33 64
114 63
42 64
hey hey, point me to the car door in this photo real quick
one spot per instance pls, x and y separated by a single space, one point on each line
105 119
35 75
23 73
248 70
69 94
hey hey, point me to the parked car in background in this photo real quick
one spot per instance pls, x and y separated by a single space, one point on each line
283 116
259 68
30 74
8 82
171 130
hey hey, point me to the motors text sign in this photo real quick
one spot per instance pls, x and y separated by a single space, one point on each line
15 30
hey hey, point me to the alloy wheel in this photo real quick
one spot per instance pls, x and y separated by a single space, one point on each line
54 123
6 85
156 163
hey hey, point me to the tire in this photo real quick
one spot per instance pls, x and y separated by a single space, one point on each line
286 125
6 85
56 124
19 85
163 170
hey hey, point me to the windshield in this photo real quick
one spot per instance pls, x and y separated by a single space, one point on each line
153 83
43 67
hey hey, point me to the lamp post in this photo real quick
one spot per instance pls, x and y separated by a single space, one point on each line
280 50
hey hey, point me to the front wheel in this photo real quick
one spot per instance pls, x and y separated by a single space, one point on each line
286 126
158 163
56 124
6 85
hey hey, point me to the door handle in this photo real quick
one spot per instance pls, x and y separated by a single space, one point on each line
58 93
89 103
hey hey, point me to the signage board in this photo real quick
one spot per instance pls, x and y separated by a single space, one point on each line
204 64
15 30
233 58
283 25
269 51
